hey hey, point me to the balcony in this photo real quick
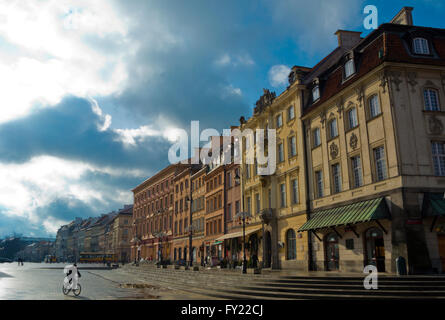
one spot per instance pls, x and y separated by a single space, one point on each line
267 215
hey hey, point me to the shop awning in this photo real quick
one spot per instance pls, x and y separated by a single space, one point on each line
358 212
238 234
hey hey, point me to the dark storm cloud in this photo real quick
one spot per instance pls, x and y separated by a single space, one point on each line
69 130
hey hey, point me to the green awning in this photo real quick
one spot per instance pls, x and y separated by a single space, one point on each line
358 212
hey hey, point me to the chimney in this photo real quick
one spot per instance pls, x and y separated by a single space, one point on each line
348 39
404 17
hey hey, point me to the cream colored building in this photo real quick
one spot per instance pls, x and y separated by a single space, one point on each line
368 156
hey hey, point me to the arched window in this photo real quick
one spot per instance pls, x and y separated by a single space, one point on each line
420 46
291 253
374 106
431 99
352 118
333 131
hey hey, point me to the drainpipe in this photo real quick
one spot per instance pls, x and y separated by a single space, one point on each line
308 201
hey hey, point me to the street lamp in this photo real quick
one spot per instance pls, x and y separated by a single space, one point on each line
189 200
160 235
243 216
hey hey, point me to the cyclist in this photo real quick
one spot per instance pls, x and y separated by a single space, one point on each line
73 280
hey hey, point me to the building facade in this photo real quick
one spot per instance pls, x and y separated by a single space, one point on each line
152 234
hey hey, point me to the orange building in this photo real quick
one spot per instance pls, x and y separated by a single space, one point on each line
198 214
153 215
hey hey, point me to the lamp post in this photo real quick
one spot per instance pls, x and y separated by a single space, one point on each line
160 235
189 200
244 215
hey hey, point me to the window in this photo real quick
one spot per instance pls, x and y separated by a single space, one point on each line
229 180
374 106
336 178
356 171
247 171
280 153
352 118
292 146
333 132
349 244
290 113
316 137
438 151
319 183
431 99
315 93
349 68
380 163
237 207
421 46
229 212
294 191
279 120
283 195
257 202
291 252
248 204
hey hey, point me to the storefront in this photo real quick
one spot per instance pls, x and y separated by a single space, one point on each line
349 237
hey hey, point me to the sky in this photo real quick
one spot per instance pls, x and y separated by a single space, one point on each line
93 92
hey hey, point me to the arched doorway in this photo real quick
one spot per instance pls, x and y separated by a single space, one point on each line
194 254
375 249
185 253
179 253
174 255
267 249
332 252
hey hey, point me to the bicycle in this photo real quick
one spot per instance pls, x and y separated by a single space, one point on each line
67 287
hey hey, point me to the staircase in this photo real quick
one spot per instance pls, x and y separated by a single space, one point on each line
222 284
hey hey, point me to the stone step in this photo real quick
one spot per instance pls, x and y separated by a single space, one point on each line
348 292
348 286
330 296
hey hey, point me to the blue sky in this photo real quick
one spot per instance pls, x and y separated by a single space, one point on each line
93 91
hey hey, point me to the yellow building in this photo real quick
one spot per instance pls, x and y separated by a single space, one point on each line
374 133
277 202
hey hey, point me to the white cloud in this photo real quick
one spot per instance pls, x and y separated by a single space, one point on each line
24 188
234 60
278 75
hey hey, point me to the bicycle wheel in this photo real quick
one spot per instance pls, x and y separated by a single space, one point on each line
65 289
77 291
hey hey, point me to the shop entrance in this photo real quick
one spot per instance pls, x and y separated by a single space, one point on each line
332 252
441 242
375 249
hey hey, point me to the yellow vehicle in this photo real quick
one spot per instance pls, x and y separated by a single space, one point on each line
50 259
96 257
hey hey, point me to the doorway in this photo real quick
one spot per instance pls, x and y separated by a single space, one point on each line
441 242
375 249
332 252
267 250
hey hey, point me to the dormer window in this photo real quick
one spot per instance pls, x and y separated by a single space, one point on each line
420 46
349 68
315 93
